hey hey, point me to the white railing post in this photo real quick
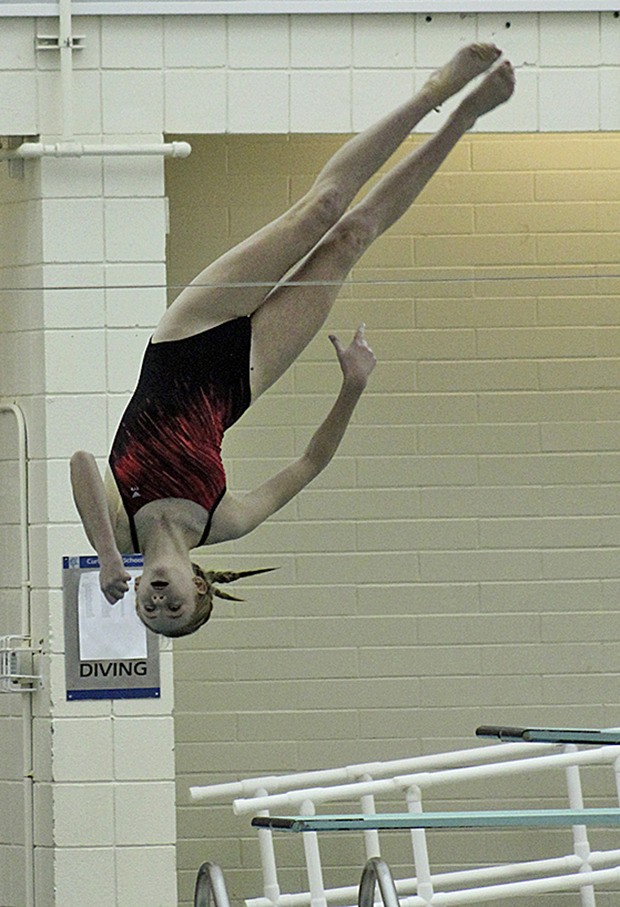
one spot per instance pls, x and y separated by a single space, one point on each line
313 860
271 888
420 848
371 837
581 843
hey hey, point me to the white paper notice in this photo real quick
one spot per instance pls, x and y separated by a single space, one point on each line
108 632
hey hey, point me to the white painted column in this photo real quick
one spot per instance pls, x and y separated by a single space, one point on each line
89 233
105 798
21 379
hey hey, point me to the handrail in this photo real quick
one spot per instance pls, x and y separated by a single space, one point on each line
427 779
210 882
250 787
377 871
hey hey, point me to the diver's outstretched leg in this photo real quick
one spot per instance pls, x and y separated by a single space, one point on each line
292 314
399 188
265 257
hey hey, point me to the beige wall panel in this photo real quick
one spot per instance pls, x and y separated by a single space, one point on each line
518 499
476 312
468 439
538 217
424 219
329 503
588 309
527 152
480 188
538 343
476 375
591 185
475 250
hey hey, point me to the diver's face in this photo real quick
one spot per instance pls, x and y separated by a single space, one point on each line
166 598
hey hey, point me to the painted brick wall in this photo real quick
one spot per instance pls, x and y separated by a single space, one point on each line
458 562
205 74
510 445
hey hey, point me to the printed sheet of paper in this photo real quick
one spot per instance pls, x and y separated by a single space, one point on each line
108 632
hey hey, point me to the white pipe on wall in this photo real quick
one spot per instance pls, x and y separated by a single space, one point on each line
68 147
33 150
26 630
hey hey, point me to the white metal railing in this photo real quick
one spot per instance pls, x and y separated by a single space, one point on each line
359 786
326 778
15 676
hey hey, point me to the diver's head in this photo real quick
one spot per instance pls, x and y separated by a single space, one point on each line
177 601
174 600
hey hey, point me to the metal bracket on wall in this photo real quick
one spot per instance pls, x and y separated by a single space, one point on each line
15 660
8 144
52 42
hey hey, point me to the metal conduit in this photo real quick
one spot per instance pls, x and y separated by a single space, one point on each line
70 148
210 884
377 871
27 743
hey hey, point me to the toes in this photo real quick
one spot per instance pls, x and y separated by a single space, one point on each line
487 53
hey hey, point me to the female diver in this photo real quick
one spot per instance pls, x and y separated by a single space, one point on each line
227 338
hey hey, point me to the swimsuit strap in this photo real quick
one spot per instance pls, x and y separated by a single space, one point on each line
207 529
134 532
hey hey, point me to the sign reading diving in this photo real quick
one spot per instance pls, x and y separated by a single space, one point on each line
109 654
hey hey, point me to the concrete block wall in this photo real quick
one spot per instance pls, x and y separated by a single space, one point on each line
85 230
457 563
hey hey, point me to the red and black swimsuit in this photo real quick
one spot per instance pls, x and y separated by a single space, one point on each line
168 443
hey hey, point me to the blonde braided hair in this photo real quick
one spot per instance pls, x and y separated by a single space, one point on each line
204 600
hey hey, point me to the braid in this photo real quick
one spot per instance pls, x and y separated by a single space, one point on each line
230 576
204 601
227 576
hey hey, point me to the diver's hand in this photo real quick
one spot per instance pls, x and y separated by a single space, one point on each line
356 360
114 579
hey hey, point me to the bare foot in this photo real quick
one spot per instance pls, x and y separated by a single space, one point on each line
494 90
466 64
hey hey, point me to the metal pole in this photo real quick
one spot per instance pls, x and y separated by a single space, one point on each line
375 871
27 746
210 882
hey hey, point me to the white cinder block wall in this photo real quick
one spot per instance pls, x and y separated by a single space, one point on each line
80 230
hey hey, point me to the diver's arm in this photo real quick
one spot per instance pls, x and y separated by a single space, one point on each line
236 516
91 501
